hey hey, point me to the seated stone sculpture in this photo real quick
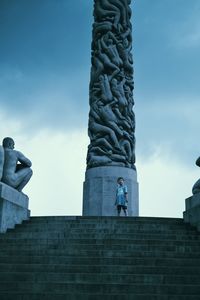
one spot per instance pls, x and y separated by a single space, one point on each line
16 167
196 187
198 162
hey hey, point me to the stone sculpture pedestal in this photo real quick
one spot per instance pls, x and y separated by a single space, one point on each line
13 207
192 211
99 191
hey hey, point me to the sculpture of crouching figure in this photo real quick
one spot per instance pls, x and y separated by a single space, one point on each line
196 187
16 167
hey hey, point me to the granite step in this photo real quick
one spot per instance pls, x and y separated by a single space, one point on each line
87 296
179 229
100 239
149 260
104 239
104 278
94 288
101 245
106 221
113 232
157 250
106 255
110 219
121 269
107 225
69 246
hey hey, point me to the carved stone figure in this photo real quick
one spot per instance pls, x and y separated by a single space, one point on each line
16 167
196 187
105 10
111 119
107 45
106 94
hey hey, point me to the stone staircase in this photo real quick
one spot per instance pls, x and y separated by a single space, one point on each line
67 258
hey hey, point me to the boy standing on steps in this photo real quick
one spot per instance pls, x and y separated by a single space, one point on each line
121 196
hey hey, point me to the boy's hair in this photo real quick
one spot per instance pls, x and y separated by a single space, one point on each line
118 179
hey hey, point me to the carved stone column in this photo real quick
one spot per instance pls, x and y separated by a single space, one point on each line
111 153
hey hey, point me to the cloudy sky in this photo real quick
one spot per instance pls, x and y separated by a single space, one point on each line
44 78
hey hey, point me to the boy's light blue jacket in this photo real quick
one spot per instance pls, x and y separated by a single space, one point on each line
120 195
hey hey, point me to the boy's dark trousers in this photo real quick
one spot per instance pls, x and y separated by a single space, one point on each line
119 207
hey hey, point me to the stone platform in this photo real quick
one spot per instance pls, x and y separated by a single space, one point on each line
192 211
100 189
13 207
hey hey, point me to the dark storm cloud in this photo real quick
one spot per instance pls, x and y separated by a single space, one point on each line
45 60
167 71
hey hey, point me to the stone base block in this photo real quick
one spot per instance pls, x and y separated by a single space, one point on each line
13 207
192 210
99 191
1 161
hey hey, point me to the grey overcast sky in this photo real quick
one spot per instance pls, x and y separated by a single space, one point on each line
44 78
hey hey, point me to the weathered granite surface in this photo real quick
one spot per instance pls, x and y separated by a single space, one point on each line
13 207
1 161
15 172
100 191
111 119
192 212
16 167
192 204
111 127
196 187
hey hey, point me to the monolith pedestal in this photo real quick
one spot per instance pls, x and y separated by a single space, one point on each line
100 189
